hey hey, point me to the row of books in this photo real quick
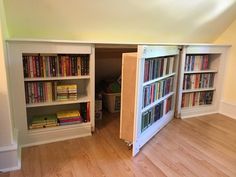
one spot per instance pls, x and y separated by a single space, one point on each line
39 92
158 67
151 116
197 98
55 66
195 81
61 118
157 90
196 62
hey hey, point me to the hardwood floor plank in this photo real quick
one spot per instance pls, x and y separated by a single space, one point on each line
197 147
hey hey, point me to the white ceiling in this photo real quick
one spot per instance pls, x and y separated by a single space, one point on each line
120 20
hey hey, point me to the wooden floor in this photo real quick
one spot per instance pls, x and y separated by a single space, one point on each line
203 146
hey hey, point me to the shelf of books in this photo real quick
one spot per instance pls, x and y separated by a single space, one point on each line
158 72
57 83
200 84
43 87
158 89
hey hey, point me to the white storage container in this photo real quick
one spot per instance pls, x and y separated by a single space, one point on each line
111 102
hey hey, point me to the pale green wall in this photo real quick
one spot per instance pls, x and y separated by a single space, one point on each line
6 126
121 20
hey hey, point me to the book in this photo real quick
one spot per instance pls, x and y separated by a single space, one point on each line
68 114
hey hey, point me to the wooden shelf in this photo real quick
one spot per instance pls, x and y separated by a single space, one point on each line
200 71
56 78
157 101
60 127
158 79
198 90
81 99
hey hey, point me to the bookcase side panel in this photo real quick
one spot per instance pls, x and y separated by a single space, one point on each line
180 81
92 87
142 134
17 89
128 96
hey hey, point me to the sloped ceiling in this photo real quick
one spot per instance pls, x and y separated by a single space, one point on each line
120 20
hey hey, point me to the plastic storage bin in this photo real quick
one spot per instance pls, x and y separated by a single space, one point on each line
112 102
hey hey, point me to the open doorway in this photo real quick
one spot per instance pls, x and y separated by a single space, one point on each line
108 70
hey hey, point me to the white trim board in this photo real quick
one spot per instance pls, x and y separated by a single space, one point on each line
228 109
11 155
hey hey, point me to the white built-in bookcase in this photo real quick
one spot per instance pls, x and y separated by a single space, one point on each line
132 96
217 59
23 112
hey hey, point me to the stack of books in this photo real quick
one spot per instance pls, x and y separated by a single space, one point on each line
43 121
69 117
66 92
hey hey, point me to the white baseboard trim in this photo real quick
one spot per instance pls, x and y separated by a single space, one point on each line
198 115
11 156
228 109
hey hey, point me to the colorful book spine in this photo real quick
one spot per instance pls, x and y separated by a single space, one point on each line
151 116
196 62
197 98
196 81
38 92
55 66
158 67
155 91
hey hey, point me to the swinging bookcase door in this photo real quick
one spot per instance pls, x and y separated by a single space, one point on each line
155 92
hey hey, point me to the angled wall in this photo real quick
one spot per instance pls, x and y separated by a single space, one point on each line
228 104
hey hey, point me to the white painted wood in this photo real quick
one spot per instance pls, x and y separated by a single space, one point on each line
56 78
10 155
139 139
200 71
198 90
228 109
218 58
86 85
102 43
81 99
158 79
54 134
157 101
155 128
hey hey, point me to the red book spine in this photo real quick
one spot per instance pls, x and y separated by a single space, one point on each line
34 66
88 112
67 66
